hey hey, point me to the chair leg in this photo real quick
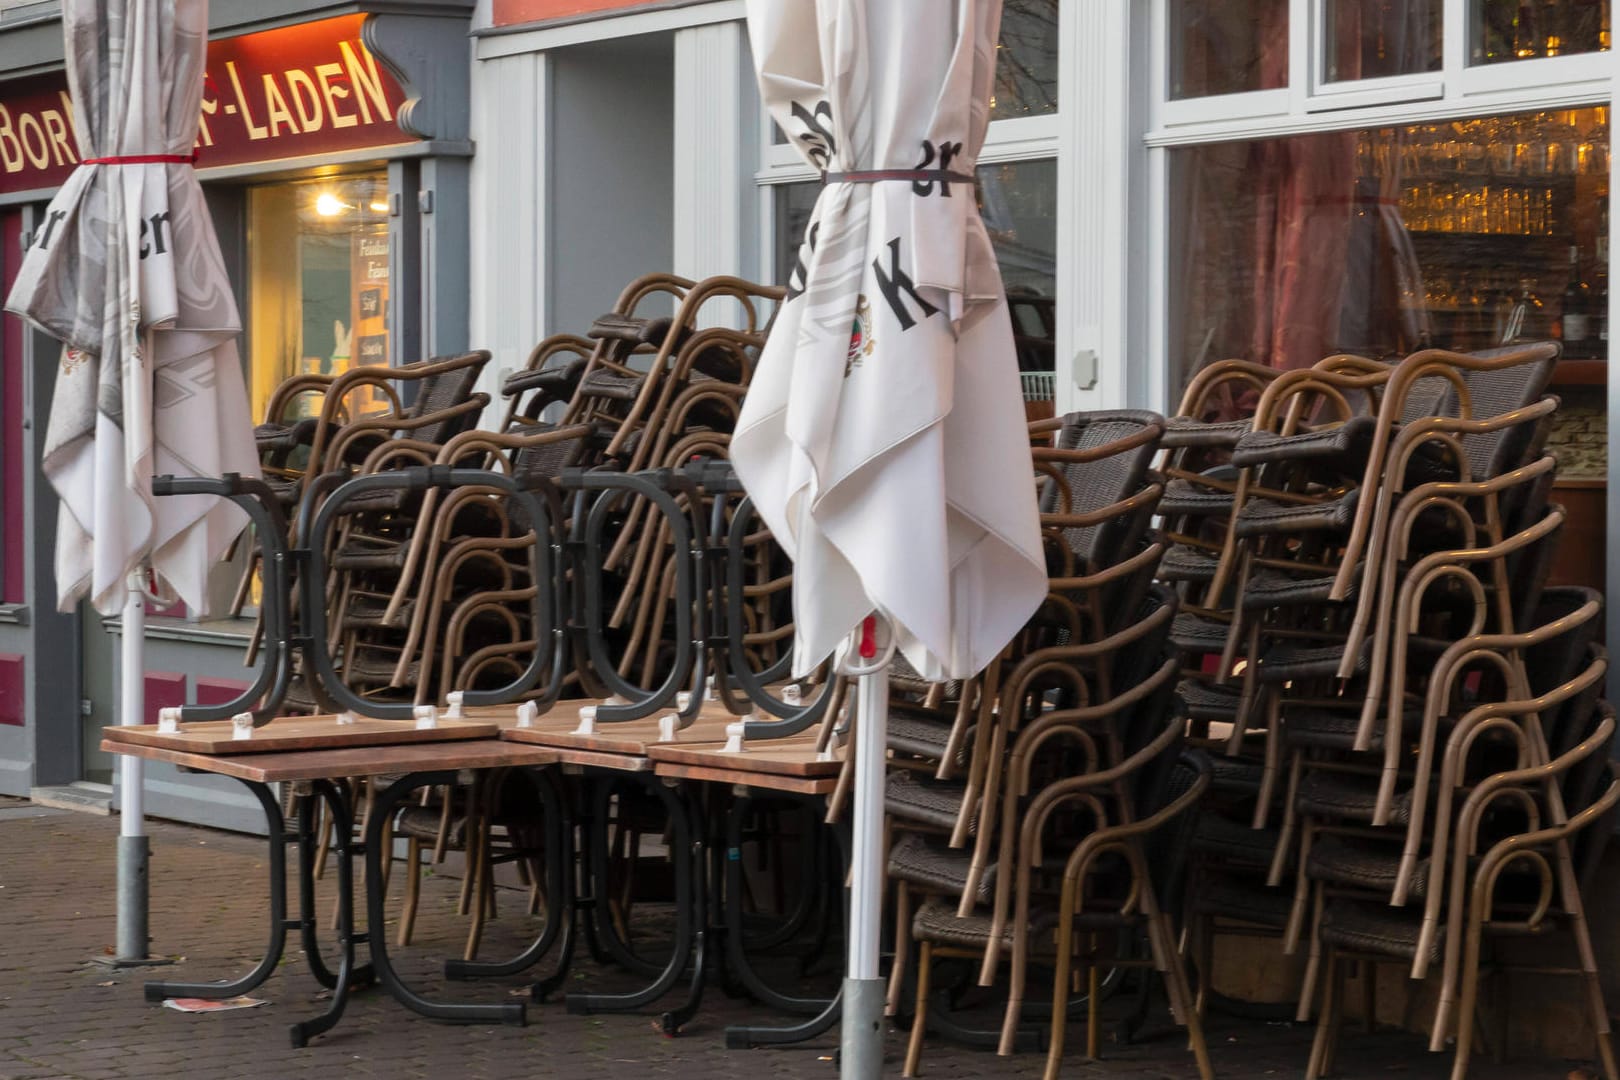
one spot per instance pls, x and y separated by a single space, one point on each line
1290 821
1272 761
902 947
919 1022
478 874
1317 1066
413 891
1179 990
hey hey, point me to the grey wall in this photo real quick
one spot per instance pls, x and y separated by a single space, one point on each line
612 124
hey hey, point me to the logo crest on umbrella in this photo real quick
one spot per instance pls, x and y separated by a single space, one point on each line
860 335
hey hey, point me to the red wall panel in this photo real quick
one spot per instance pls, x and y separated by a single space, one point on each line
13 689
11 424
164 690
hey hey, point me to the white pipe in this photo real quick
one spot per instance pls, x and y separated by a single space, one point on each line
132 707
866 893
133 857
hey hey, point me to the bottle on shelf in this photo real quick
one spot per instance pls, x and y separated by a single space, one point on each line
1554 38
1575 324
1526 41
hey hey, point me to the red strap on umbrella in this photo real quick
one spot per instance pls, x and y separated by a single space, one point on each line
144 159
868 637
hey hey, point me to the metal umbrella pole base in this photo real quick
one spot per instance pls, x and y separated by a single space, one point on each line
861 1044
134 852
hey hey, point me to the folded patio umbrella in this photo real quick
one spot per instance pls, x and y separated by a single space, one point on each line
125 270
883 437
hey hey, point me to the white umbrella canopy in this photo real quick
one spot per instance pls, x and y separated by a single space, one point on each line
126 272
883 437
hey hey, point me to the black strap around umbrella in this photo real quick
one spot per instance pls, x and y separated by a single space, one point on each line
875 176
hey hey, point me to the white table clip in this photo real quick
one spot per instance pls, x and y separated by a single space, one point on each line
683 700
169 722
527 713
427 717
453 700
710 693
669 728
346 717
587 720
792 694
734 739
618 699
242 726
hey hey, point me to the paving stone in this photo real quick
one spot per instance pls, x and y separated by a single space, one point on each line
57 1019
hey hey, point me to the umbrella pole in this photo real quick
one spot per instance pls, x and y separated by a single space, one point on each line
132 846
861 1045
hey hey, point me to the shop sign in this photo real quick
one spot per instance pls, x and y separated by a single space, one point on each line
287 93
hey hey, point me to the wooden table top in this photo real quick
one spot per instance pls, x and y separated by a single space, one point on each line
287 733
348 761
799 785
793 756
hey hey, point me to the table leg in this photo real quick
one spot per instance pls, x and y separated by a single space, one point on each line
327 792
376 851
601 936
685 917
736 954
278 838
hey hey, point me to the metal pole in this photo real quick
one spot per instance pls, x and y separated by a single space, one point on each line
861 1053
132 846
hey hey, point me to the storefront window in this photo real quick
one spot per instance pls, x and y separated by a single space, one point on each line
1370 39
1462 234
1227 46
318 279
1026 60
1505 30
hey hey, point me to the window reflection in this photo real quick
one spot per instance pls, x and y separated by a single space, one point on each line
1369 39
1504 30
1461 234
1026 60
1227 46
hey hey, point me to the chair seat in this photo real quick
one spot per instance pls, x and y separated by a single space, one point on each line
939 924
918 735
1189 431
367 610
1329 729
1206 700
1292 659
612 385
1234 774
1349 797
422 823
1267 517
1217 834
1350 441
1188 498
558 383
1245 899
1375 928
1341 860
1191 632
637 328
1182 562
1271 587
362 552
921 861
930 802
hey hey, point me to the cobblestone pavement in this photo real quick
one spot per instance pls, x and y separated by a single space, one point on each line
62 1016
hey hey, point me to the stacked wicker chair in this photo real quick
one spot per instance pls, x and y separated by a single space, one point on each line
1069 742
